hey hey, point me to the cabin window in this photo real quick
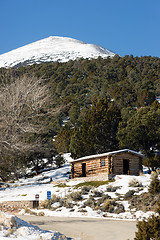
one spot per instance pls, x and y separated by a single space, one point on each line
103 162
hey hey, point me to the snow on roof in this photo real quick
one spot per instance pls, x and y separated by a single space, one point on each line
106 154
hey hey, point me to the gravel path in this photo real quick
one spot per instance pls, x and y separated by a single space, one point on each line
86 228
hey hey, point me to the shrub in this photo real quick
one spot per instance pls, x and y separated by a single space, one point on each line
129 194
97 193
41 214
148 229
154 187
135 183
144 202
82 210
72 210
59 160
119 208
46 204
111 188
76 196
90 203
108 205
103 198
158 208
55 198
86 189
66 203
111 206
27 210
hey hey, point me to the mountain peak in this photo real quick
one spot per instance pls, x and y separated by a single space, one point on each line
51 49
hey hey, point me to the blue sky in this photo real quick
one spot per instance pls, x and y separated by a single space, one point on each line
122 26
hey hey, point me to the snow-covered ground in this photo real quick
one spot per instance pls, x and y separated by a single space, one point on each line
121 181
12 227
26 189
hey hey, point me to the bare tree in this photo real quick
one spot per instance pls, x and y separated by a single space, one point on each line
23 110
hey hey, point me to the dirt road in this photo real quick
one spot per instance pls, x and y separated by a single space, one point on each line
86 228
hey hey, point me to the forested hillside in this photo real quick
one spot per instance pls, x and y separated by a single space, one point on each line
91 106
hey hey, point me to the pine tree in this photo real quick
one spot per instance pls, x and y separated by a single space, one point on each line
154 187
149 229
97 133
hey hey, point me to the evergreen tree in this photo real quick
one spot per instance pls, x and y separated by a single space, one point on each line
142 131
97 133
63 138
148 229
154 187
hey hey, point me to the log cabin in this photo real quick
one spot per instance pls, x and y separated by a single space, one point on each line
126 161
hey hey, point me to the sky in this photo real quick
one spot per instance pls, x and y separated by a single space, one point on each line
123 26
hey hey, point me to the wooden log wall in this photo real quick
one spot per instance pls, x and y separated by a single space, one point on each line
135 163
113 165
93 166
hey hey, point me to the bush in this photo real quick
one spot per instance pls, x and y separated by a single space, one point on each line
119 208
103 198
86 189
66 203
154 187
82 210
54 198
134 183
129 194
90 203
97 193
111 206
76 196
41 214
149 229
27 210
46 204
108 206
111 188
59 160
144 202
72 210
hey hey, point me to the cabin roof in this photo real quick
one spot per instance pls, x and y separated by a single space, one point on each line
106 154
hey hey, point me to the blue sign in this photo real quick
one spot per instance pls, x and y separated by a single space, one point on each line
49 195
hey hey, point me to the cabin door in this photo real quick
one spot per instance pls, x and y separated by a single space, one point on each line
126 166
83 169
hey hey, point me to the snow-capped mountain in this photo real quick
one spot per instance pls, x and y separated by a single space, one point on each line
52 49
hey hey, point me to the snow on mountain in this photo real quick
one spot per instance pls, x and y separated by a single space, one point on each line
52 49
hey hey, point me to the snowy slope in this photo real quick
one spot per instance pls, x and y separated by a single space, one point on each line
12 227
25 189
52 49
